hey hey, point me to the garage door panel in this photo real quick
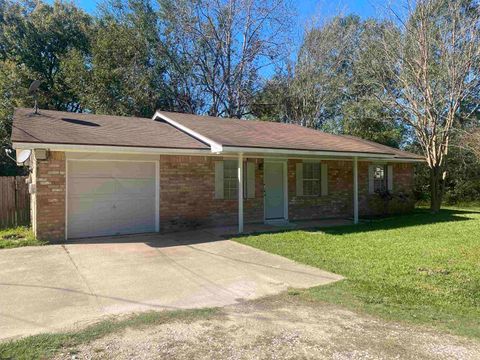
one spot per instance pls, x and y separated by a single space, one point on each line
109 198
137 187
133 170
135 208
135 214
90 169
89 217
91 186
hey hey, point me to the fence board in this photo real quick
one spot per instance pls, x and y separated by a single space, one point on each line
14 201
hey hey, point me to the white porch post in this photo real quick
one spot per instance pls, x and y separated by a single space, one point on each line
240 193
355 190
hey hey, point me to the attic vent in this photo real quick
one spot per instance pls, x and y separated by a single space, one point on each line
80 122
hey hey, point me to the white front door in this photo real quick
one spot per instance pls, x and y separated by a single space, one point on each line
110 198
274 190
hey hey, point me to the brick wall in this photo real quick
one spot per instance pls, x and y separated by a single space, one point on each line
403 200
48 202
187 195
339 201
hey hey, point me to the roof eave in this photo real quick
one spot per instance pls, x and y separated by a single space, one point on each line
298 152
107 148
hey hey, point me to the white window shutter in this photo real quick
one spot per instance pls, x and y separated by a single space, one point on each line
250 180
299 175
324 178
371 187
219 180
390 178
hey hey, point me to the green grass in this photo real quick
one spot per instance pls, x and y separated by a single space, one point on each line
44 346
420 268
17 237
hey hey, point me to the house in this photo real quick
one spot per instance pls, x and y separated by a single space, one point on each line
95 175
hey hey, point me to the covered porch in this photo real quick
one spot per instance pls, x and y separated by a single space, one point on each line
276 193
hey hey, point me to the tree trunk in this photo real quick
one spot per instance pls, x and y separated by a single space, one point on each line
436 188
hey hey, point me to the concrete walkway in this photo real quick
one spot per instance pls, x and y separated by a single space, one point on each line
58 287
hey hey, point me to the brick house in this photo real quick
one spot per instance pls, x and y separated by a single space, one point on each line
96 175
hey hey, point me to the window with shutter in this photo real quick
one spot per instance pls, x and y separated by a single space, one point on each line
379 178
311 178
230 179
230 182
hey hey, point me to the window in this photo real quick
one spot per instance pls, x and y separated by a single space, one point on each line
379 178
226 181
230 182
311 178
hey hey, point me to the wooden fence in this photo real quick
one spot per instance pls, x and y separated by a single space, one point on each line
14 201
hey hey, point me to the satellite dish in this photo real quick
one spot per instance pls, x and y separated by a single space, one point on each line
33 91
34 86
23 156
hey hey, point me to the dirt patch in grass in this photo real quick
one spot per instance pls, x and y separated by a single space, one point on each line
281 327
45 346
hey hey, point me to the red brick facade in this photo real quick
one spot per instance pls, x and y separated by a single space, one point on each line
403 200
338 202
187 194
48 201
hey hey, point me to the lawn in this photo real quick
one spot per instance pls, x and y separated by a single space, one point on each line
420 268
17 237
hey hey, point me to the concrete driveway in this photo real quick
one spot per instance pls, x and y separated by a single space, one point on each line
58 287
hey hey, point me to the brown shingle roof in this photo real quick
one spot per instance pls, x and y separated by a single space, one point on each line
57 127
263 134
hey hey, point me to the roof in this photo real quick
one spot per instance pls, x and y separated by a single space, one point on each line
58 127
186 131
275 135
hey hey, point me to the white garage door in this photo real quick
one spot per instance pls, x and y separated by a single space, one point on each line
110 198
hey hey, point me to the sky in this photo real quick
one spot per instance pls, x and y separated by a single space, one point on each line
305 8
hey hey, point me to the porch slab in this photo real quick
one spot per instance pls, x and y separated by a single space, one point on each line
226 231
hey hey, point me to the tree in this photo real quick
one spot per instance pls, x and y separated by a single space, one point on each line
217 49
127 70
330 87
37 37
35 42
472 141
433 56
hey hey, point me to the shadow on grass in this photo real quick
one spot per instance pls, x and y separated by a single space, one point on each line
418 218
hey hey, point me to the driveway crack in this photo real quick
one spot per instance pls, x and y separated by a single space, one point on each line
84 279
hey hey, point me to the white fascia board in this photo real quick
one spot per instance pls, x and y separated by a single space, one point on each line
288 153
396 160
109 149
228 152
214 146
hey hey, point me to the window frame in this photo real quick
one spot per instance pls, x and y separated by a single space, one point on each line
227 190
382 181
313 179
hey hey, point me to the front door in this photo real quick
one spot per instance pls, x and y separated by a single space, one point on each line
274 190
